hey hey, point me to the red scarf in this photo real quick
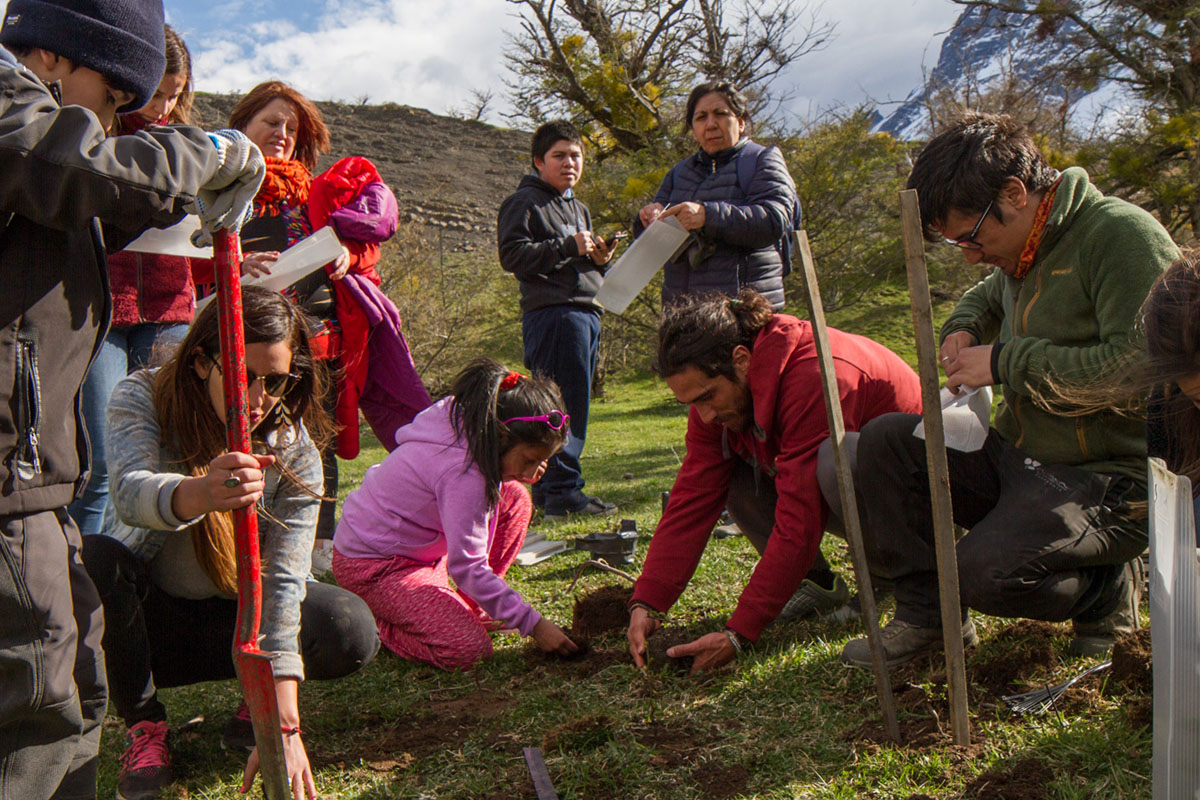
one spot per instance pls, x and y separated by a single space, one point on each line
286 186
1038 232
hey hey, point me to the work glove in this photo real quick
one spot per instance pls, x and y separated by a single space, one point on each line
227 200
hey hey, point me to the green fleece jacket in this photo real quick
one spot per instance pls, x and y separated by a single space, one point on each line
1072 314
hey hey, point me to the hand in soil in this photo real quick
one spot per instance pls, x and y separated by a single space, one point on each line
551 638
641 627
710 651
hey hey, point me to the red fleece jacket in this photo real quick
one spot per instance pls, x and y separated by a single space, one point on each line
790 424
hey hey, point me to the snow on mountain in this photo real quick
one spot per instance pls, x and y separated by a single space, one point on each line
980 52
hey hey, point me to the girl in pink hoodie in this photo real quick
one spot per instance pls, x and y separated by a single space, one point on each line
448 502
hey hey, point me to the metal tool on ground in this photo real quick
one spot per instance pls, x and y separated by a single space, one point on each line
1039 700
837 432
615 547
541 776
939 469
253 665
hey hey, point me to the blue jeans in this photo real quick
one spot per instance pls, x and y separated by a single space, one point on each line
123 351
561 343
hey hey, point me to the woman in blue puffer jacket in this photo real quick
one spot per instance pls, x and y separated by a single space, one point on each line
737 215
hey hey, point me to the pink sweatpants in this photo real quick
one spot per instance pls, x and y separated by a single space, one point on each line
419 616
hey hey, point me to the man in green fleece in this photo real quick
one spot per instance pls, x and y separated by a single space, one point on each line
1047 498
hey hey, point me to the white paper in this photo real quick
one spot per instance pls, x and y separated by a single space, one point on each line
965 417
173 241
657 245
302 258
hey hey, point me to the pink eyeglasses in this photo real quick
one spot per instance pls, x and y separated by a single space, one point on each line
555 420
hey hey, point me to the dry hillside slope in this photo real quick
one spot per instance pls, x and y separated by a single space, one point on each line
447 173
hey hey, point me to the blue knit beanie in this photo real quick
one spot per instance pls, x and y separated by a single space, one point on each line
120 39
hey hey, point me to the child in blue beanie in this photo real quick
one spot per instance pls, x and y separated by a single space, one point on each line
68 192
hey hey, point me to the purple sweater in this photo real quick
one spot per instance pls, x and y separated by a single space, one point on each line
427 500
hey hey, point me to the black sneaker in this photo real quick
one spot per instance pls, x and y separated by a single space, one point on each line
239 730
146 762
593 507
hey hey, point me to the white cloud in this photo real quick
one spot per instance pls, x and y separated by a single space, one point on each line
404 51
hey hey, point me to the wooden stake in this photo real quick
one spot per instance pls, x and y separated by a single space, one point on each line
939 470
837 432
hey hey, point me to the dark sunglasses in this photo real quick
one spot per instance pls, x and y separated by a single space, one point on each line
276 384
555 420
968 242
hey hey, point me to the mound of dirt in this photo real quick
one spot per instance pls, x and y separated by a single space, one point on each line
721 780
1017 653
1132 664
583 664
601 611
1140 711
1027 779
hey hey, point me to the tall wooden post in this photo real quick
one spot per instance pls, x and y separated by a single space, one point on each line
845 479
939 470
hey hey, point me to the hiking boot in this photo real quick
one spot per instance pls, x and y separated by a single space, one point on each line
1096 638
811 599
902 643
239 730
593 507
851 610
146 762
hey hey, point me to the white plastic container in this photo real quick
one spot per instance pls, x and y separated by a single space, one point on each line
1175 635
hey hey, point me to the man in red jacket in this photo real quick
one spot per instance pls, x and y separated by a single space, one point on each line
755 429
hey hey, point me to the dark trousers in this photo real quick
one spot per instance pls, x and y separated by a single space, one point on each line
561 343
1044 541
751 503
52 693
156 640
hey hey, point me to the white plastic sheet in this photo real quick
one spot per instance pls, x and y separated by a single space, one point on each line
302 258
966 418
173 241
657 245
1175 635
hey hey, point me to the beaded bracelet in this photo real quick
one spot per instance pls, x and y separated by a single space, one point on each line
653 612
290 731
735 640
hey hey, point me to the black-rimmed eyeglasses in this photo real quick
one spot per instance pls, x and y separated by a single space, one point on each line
968 242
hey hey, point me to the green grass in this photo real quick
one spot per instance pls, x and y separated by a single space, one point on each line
774 727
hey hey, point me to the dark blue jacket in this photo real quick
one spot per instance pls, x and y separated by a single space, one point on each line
737 247
536 228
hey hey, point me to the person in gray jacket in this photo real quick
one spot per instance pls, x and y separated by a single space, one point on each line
736 199
67 191
165 566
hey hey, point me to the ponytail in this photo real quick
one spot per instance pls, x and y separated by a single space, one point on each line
486 393
704 332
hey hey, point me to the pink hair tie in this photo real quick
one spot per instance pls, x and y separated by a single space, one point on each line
510 380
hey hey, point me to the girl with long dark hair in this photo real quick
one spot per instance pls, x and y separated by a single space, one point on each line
166 568
448 503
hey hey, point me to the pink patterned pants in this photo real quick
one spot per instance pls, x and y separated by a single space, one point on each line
419 616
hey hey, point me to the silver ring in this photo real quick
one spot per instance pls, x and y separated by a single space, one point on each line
233 481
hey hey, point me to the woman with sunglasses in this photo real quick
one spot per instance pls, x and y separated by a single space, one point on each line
448 503
165 568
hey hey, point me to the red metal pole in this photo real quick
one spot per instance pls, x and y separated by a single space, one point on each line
253 665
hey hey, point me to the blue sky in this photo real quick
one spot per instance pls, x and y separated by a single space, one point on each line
431 54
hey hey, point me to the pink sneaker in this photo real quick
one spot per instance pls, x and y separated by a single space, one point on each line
146 762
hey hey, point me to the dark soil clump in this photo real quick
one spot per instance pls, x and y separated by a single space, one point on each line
664 639
1132 665
721 780
601 611
1017 653
1027 779
582 664
1140 711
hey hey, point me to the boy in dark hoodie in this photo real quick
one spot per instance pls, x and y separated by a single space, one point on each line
67 192
546 241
